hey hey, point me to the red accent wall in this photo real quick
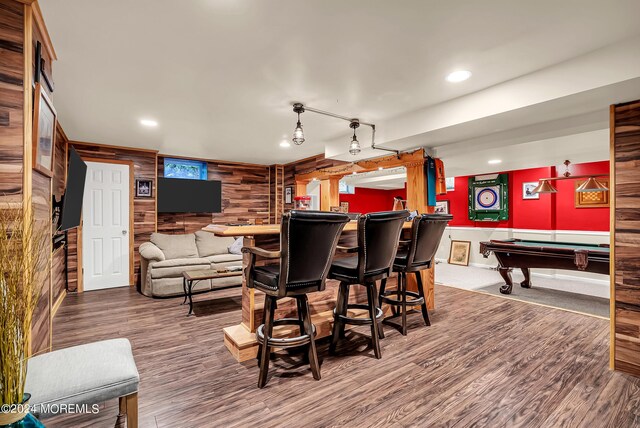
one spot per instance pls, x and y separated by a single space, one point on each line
550 212
371 200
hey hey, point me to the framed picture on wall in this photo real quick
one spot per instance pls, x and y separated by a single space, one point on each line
459 253
44 132
344 207
288 195
442 207
527 190
144 188
451 183
592 199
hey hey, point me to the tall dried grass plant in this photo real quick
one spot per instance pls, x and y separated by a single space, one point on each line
25 257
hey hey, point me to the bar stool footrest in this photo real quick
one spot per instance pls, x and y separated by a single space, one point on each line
359 321
415 301
285 342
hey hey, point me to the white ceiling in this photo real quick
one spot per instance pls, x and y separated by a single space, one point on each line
219 75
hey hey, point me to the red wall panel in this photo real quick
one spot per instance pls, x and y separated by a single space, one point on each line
371 200
550 212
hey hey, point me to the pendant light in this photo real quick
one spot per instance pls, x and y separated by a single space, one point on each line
592 185
354 146
298 133
545 186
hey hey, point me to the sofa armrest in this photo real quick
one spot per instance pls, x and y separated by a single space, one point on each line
151 252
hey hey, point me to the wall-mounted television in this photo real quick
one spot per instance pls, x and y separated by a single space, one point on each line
185 168
71 211
177 195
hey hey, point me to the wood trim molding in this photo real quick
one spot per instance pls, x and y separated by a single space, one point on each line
108 146
129 163
39 21
27 174
612 237
414 158
246 164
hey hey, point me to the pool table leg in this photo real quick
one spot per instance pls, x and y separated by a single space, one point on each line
505 272
527 278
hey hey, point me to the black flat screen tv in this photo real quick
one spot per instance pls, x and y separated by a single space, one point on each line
177 195
72 202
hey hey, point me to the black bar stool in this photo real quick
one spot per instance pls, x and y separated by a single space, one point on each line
308 241
378 235
414 256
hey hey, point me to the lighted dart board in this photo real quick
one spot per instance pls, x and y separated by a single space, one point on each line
489 197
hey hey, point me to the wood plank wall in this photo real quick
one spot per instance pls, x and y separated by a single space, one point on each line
245 197
11 100
303 166
41 340
144 209
276 193
626 235
19 32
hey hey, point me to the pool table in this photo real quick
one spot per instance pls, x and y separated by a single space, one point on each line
525 254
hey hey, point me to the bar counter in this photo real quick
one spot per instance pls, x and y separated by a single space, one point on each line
240 338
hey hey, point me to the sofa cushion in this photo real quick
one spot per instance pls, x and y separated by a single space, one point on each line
167 287
85 374
176 246
223 258
180 262
209 244
174 268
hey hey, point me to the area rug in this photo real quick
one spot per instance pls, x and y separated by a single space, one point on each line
558 299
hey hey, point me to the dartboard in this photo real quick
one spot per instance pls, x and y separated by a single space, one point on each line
487 198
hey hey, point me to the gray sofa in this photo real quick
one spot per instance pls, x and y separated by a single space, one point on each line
166 257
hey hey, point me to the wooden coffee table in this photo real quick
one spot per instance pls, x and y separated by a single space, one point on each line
194 276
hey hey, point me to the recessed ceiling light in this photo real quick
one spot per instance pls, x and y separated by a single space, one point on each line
458 76
285 143
148 122
494 161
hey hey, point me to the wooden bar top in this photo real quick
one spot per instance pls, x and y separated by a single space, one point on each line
267 229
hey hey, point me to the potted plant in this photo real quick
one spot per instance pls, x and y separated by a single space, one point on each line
24 260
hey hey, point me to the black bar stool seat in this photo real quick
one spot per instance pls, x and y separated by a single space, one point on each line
378 235
414 256
308 241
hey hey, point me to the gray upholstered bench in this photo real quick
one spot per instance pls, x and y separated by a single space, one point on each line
84 375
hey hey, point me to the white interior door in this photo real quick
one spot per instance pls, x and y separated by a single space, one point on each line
105 226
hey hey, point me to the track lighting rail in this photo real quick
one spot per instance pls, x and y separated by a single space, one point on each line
301 108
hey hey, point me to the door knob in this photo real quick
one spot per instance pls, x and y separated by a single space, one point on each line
124 232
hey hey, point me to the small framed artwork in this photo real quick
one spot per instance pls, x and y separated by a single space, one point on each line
334 209
450 183
288 195
592 199
442 207
344 207
144 188
44 131
527 190
459 253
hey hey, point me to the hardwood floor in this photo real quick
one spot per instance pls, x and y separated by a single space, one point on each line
485 361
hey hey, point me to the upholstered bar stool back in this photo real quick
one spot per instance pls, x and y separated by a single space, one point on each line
378 235
415 255
308 241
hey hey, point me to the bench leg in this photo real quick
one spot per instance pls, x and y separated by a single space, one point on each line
129 406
